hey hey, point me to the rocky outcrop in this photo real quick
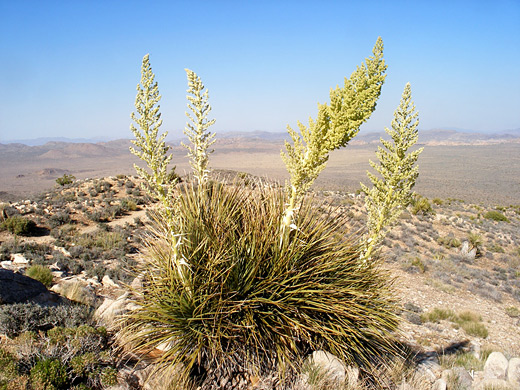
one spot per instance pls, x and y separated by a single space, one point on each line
17 288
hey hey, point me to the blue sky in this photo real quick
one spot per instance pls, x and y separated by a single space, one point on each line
70 68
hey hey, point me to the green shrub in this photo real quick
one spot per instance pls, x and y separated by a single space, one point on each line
65 179
513 312
48 374
40 273
421 205
449 241
19 225
248 297
437 201
438 314
495 248
496 216
476 329
8 366
60 218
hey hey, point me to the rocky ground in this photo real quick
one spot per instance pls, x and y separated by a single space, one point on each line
455 267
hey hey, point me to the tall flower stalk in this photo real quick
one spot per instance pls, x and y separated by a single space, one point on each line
336 124
151 148
392 190
197 128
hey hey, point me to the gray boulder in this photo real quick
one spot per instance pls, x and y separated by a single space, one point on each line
17 288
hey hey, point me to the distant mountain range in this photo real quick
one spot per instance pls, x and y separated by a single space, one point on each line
62 146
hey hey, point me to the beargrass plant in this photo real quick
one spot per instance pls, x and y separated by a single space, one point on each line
240 281
251 304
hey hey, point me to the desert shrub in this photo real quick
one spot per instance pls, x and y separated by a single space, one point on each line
40 273
8 366
437 201
48 374
23 317
421 205
60 218
495 248
65 179
467 320
449 241
128 204
496 216
513 311
438 314
260 297
19 225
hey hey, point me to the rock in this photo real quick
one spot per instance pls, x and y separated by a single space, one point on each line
439 384
18 258
513 372
8 265
467 253
111 309
61 250
16 288
107 282
333 367
76 290
58 274
459 377
496 366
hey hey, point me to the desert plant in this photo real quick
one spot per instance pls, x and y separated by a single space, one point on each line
249 302
250 281
197 131
476 242
48 374
421 205
336 124
65 179
60 218
496 216
392 191
19 225
40 273
23 317
150 147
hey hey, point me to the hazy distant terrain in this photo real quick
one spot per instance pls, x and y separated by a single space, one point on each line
469 166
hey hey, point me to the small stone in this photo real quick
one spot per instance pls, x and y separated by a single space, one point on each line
7 265
107 282
496 366
18 258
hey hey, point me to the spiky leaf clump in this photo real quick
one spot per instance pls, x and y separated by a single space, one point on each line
252 305
392 190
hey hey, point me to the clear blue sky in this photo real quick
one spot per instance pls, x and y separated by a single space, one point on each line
70 68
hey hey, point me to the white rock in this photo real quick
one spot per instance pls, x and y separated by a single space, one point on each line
18 258
7 265
513 372
496 366
107 282
61 250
